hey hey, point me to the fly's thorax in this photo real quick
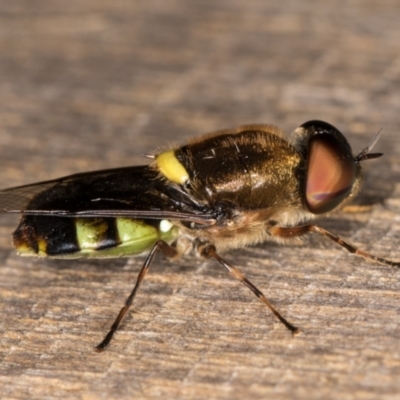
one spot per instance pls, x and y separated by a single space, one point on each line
89 237
255 168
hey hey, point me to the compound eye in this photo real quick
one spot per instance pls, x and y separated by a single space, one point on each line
330 175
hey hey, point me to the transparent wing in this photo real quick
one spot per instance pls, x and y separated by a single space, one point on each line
16 199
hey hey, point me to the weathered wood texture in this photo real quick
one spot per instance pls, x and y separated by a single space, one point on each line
94 84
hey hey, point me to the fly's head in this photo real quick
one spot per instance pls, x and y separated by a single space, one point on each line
332 174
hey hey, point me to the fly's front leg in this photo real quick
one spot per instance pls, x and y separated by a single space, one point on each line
209 251
169 252
312 228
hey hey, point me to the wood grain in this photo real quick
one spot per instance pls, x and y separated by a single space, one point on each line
94 84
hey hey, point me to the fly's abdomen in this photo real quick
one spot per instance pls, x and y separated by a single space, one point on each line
88 237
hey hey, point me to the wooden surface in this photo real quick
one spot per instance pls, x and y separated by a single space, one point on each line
94 84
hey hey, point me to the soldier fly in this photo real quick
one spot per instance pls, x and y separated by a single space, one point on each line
225 190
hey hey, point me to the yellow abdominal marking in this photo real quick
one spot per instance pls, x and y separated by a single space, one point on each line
90 233
42 246
135 231
171 167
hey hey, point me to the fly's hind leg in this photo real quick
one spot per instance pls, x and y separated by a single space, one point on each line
209 251
169 252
